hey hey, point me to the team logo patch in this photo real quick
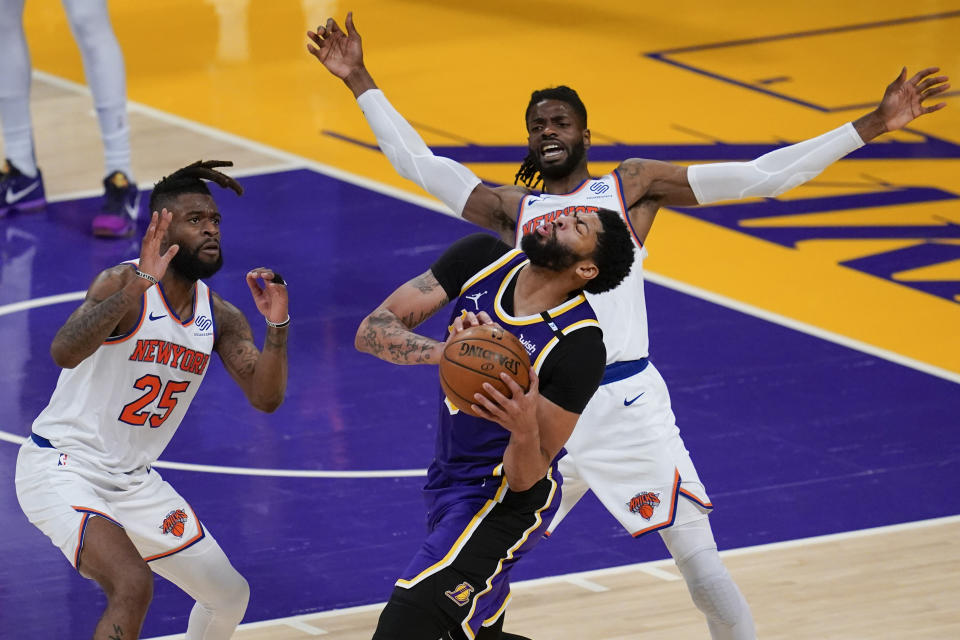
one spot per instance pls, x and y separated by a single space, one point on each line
644 503
461 593
173 522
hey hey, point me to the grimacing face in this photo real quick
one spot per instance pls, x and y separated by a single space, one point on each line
556 138
560 244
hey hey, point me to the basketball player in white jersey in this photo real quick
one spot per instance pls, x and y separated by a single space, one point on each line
134 354
21 182
627 447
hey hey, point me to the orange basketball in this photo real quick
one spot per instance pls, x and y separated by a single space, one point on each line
477 355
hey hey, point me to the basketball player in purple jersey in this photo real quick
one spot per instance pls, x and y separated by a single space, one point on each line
493 484
627 448
133 356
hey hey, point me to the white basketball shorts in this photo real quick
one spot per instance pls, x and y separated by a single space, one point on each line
627 449
59 493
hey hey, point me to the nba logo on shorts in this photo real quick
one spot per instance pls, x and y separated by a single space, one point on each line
62 461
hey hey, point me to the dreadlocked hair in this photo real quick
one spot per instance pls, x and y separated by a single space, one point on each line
529 172
190 179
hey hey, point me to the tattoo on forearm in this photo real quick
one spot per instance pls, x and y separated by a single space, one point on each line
389 338
276 340
117 633
87 328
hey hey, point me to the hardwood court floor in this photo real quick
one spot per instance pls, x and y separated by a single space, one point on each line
893 583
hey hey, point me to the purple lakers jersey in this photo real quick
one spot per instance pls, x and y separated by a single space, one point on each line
468 460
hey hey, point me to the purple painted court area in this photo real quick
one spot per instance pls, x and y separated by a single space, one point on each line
794 436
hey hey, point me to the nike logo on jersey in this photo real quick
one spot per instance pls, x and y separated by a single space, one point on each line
14 196
153 317
627 403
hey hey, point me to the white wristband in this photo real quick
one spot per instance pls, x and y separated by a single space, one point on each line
278 325
145 276
450 182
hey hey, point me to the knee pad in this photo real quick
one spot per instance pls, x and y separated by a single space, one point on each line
718 597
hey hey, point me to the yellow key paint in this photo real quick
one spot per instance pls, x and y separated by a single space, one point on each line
462 73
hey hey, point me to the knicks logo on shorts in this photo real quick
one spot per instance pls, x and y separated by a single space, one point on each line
460 594
173 522
644 503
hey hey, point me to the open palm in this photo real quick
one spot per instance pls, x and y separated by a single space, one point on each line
903 100
341 53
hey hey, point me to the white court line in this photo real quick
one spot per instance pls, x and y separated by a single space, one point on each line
802 327
41 302
434 205
290 158
642 567
13 438
236 173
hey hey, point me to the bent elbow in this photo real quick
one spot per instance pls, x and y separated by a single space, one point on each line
267 405
62 359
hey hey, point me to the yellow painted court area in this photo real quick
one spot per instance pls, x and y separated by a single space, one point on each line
462 72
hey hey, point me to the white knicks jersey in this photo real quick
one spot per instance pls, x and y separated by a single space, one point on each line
622 311
119 408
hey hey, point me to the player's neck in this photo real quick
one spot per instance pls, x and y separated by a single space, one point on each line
179 292
539 289
568 183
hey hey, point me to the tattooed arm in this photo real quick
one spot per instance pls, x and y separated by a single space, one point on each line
261 375
112 307
386 332
114 300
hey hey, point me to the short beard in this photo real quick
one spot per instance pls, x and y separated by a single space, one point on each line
548 253
191 267
559 171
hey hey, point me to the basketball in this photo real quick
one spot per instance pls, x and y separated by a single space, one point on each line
477 355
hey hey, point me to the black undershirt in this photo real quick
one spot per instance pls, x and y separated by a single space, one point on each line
572 371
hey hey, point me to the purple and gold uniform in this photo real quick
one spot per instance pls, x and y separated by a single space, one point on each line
478 527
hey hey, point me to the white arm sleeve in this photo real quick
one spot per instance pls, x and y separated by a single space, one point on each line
449 181
773 173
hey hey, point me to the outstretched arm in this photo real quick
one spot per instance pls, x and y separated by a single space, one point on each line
452 183
780 170
261 374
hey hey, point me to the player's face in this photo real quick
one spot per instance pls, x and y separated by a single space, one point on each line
196 228
560 244
556 138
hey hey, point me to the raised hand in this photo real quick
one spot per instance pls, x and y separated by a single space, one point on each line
153 262
271 299
341 53
903 100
